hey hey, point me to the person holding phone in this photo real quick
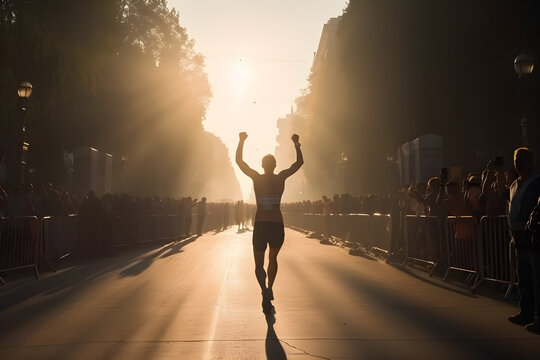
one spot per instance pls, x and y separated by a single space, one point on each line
268 228
451 197
494 192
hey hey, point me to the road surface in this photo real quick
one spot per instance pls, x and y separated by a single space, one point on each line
198 299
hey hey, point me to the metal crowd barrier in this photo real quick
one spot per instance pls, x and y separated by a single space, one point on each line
481 251
380 233
20 242
50 239
124 231
358 225
209 223
423 240
458 244
68 230
147 228
463 247
317 223
495 258
170 226
24 240
131 230
336 226
60 238
356 230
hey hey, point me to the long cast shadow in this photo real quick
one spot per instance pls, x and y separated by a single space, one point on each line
272 344
60 288
146 261
429 320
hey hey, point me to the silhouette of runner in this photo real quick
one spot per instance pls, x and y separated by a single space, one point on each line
268 228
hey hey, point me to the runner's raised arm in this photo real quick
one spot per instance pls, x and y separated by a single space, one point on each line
299 159
239 157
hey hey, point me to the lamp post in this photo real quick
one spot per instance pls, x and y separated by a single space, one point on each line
342 171
24 90
524 66
395 214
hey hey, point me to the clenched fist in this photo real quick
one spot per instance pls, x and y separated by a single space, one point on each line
242 135
295 138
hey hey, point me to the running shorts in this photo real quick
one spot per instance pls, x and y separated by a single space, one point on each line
271 233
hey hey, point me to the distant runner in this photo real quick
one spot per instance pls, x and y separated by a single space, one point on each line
268 227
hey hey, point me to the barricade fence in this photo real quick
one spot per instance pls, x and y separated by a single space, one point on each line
20 243
424 241
479 250
495 243
380 233
29 242
356 230
463 243
460 243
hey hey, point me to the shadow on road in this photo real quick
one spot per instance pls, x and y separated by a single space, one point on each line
437 283
411 311
272 345
145 262
217 231
62 286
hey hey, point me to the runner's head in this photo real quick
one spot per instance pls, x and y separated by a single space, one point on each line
269 163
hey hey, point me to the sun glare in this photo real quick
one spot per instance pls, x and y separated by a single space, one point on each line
240 75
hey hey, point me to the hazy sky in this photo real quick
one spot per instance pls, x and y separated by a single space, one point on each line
258 57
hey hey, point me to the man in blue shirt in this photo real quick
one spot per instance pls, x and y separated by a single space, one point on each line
524 193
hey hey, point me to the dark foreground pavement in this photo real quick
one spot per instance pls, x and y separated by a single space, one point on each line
198 299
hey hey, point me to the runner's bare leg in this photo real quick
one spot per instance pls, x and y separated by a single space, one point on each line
259 268
272 266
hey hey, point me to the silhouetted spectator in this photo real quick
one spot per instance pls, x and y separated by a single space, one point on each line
524 194
494 192
417 199
238 210
3 201
451 199
90 219
473 194
430 200
18 203
225 215
201 214
188 214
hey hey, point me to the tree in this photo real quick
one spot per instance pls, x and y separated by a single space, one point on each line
119 75
400 69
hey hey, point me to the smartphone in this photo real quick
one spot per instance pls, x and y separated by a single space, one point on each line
498 161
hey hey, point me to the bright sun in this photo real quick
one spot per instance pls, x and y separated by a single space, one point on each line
240 75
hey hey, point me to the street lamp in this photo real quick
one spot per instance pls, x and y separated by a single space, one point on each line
342 171
524 66
24 90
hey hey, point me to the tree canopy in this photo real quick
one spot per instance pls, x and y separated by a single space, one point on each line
399 69
118 75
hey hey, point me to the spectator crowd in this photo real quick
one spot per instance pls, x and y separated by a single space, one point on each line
493 192
46 200
478 194
342 204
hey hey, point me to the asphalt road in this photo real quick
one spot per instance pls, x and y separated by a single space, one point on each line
198 299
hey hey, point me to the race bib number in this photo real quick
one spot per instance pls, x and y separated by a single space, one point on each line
268 203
